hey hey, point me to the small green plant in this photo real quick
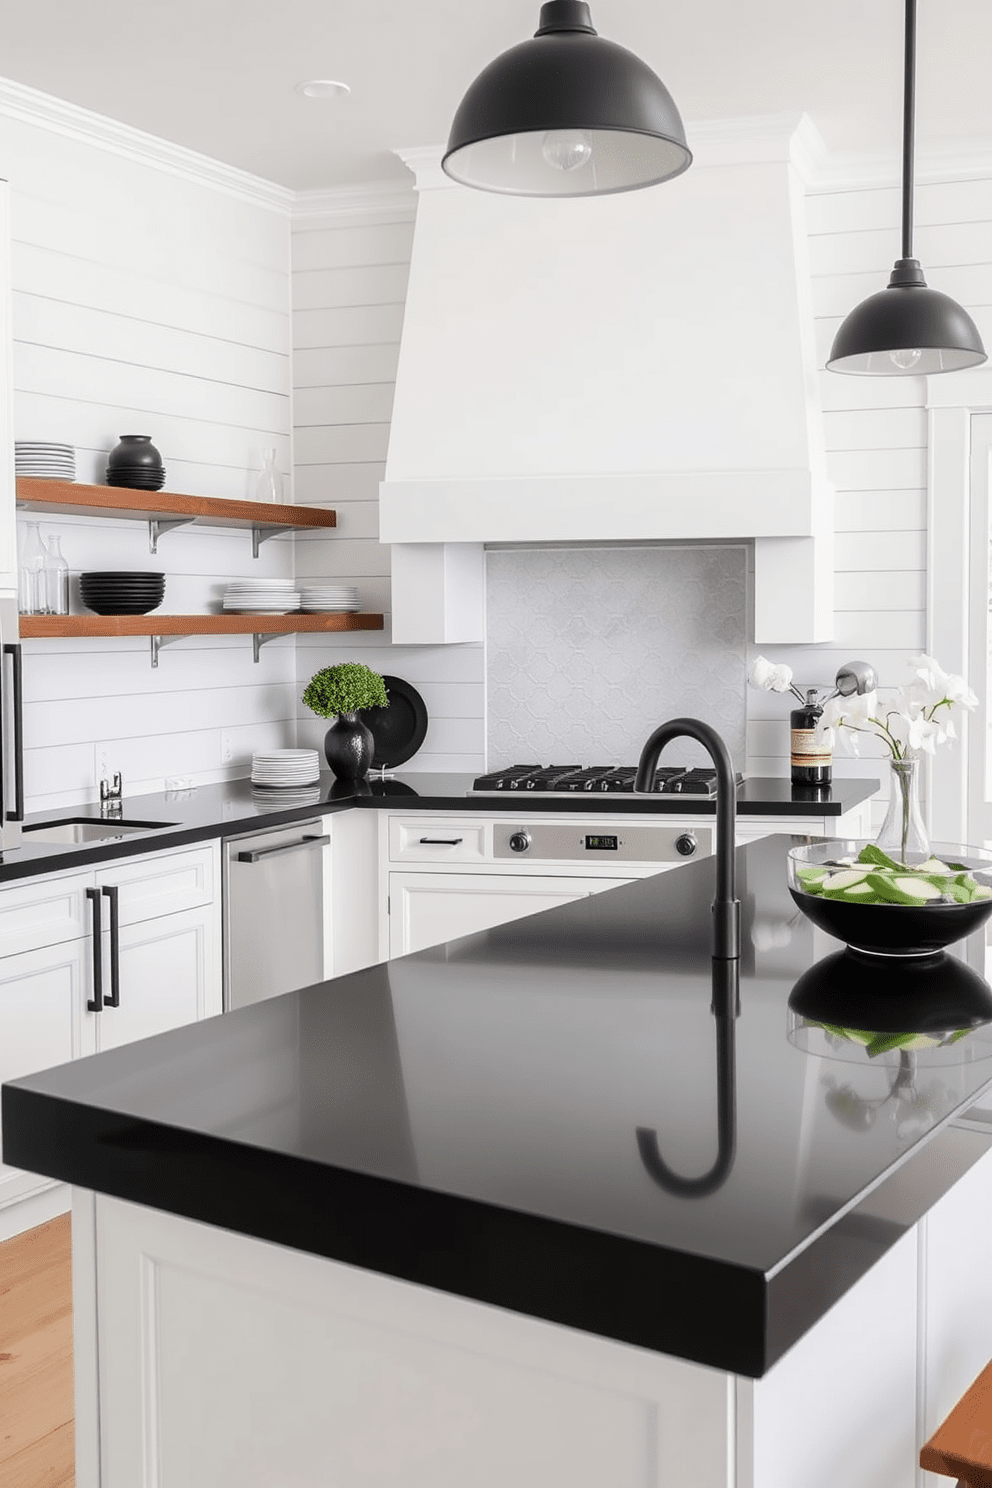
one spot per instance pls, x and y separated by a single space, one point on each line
343 688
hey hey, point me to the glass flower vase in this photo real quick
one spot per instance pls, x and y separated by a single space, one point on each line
904 836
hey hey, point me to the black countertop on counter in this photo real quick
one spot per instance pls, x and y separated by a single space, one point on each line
210 811
565 1116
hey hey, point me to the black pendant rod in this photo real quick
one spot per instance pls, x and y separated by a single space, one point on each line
908 111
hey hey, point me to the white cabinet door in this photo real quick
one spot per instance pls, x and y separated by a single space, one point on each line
43 1021
428 908
168 974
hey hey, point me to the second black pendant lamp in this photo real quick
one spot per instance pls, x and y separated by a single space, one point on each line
907 329
566 114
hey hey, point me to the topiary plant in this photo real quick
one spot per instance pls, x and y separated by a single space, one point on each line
343 689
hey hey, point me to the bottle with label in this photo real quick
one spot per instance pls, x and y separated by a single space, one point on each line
811 759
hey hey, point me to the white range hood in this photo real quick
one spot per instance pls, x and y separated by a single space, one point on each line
627 368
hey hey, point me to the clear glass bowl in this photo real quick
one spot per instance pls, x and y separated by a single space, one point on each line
914 910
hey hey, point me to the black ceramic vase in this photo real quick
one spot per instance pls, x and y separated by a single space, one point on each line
349 747
136 463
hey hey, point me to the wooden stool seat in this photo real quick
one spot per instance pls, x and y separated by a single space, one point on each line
961 1446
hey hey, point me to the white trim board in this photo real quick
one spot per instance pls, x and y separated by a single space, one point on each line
31 106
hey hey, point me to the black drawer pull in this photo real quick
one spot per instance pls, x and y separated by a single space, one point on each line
441 841
94 1004
114 1000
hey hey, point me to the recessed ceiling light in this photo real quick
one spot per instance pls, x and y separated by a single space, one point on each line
323 88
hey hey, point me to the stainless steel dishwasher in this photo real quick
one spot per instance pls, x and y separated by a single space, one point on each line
274 911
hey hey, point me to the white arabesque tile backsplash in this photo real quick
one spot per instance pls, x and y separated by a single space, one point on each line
589 649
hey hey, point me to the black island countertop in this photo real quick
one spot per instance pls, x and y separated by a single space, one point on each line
565 1116
209 811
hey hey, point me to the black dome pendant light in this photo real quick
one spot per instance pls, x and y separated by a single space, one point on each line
566 114
907 329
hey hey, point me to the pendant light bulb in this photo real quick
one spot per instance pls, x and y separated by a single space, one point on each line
907 358
567 149
908 328
566 113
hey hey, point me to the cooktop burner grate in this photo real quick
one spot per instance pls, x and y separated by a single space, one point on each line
595 779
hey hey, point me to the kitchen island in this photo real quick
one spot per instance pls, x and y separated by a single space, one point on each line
552 1203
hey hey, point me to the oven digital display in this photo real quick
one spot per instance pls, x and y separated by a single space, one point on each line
602 844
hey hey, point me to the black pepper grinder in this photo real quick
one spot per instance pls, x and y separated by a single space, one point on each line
811 759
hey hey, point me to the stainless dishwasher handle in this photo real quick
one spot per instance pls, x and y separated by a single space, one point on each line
256 854
441 841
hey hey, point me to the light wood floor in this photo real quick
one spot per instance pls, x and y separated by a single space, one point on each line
36 1405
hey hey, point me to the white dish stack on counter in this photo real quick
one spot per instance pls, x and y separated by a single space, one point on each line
281 767
261 597
42 461
329 599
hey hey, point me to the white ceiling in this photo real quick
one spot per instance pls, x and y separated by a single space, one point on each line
218 76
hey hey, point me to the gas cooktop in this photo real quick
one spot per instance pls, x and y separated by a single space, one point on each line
600 779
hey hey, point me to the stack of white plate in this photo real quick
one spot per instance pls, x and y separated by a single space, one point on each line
44 461
329 598
261 597
270 800
285 767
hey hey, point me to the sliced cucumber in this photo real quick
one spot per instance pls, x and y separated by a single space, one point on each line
845 878
883 1042
859 893
932 865
902 889
917 888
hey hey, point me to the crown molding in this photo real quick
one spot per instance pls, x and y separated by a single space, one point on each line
960 160
29 106
373 203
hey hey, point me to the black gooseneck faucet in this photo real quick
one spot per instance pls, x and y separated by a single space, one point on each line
726 905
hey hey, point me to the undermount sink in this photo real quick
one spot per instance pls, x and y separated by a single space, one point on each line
84 829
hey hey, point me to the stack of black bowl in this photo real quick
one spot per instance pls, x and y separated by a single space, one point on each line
123 592
136 463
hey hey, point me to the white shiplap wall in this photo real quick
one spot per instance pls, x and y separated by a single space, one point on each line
876 436
149 296
351 258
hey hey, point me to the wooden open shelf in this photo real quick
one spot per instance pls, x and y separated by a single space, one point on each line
164 506
40 626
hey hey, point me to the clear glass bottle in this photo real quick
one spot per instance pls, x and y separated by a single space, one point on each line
31 596
56 577
268 486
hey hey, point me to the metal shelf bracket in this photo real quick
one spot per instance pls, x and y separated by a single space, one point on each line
158 641
262 534
259 640
156 527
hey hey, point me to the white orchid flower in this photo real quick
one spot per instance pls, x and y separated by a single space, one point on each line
772 678
941 686
923 734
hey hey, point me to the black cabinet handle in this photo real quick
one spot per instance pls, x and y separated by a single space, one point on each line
17 699
95 1003
441 841
114 1000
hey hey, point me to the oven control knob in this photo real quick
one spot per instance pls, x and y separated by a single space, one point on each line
685 845
520 842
